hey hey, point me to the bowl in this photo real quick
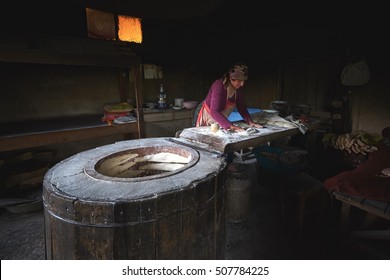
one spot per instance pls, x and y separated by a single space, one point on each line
190 104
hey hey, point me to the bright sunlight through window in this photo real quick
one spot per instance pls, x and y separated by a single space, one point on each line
130 29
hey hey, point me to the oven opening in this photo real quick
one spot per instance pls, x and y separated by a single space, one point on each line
144 162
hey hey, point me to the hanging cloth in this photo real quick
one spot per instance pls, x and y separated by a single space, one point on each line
356 74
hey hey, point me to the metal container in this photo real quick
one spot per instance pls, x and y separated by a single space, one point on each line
238 197
179 102
281 106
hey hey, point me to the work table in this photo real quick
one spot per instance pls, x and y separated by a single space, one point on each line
225 141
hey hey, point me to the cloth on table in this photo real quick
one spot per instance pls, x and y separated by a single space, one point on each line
367 180
235 115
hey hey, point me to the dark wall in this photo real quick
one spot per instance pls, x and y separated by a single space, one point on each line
236 30
295 52
61 18
247 30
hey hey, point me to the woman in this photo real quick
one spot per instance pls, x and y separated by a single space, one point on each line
224 94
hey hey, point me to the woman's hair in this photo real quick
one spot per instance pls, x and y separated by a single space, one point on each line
238 71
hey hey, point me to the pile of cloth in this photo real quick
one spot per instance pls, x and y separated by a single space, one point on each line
118 113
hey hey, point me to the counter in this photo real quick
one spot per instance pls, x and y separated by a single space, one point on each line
166 122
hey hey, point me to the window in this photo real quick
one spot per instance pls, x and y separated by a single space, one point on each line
108 26
130 29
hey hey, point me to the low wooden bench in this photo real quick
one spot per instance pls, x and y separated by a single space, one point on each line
374 207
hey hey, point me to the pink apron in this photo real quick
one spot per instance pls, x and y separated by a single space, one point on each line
204 116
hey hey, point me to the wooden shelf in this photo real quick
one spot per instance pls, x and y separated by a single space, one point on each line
21 135
69 52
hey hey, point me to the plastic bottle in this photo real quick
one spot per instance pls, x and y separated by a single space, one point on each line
162 98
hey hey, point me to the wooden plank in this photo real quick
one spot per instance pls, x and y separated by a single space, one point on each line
4 202
381 205
158 116
22 141
375 207
344 217
182 114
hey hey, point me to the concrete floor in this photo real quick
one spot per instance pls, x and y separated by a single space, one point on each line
269 232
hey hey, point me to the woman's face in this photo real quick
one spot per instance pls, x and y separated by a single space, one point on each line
237 83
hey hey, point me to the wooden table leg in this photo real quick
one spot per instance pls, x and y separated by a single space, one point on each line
344 218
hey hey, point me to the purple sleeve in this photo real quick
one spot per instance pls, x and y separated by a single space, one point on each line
241 106
216 100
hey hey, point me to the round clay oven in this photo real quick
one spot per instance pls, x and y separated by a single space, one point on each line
139 199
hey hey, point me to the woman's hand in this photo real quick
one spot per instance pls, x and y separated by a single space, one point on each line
236 128
253 124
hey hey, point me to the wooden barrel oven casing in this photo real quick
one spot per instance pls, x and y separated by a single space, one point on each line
180 216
